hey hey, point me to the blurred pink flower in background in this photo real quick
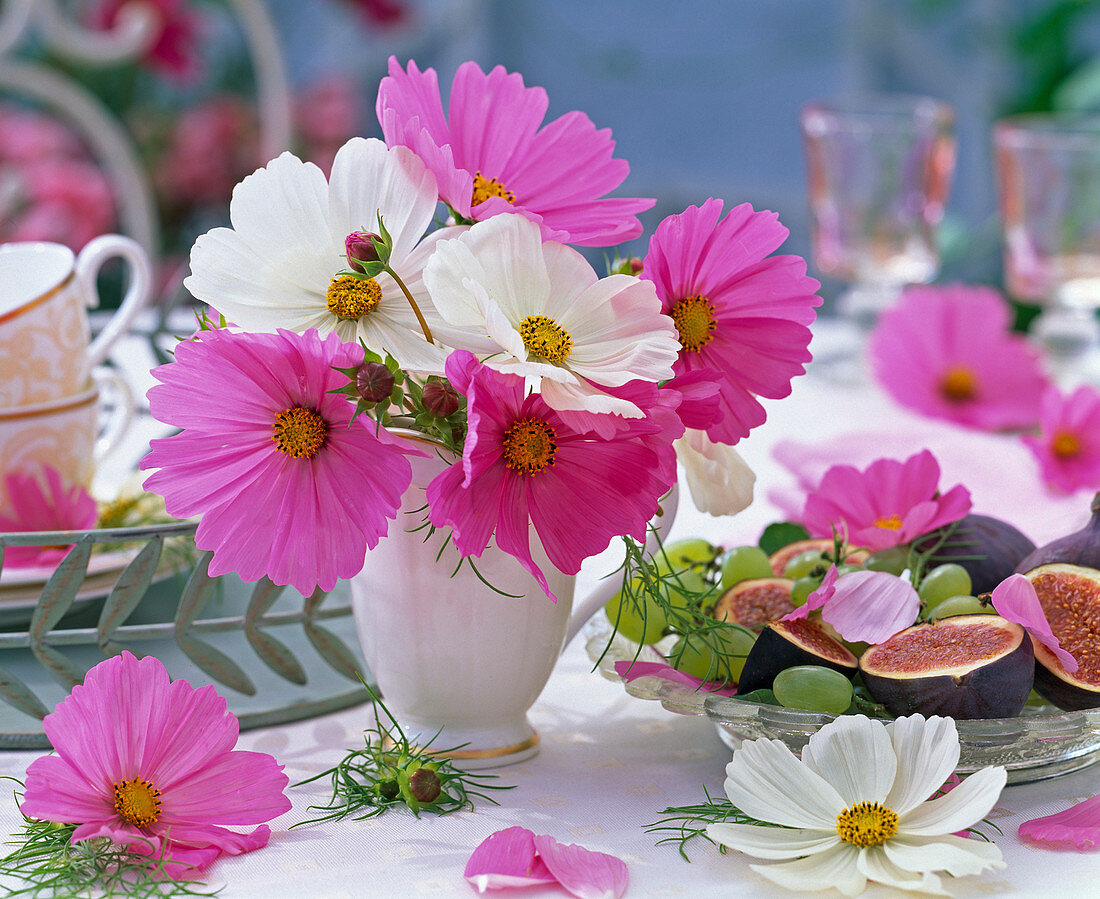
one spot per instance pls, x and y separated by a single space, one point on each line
328 112
948 352
887 504
174 51
384 13
63 200
28 136
1067 446
212 145
42 501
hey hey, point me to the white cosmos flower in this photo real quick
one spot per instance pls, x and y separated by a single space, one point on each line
540 311
277 266
720 481
859 806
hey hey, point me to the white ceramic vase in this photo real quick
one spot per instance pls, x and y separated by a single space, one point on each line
445 650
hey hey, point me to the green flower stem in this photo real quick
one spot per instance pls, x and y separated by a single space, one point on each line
416 309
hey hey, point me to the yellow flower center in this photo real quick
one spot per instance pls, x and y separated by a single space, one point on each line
300 432
867 824
1065 445
484 188
351 298
892 523
138 801
546 338
529 445
695 322
959 384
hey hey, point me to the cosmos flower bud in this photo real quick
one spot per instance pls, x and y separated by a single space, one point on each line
425 785
374 382
359 247
440 398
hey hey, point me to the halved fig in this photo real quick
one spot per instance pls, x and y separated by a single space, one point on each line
755 602
784 644
969 666
783 555
1070 597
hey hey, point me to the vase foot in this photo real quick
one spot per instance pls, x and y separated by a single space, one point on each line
478 748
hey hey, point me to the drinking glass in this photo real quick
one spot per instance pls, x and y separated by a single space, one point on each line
1048 180
879 169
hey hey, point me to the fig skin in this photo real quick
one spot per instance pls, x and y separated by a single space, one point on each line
1079 548
998 688
739 606
1059 687
777 648
999 546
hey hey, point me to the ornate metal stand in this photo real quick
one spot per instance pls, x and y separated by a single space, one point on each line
163 602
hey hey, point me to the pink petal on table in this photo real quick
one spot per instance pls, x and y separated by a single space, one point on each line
507 859
1079 824
584 873
629 670
1015 599
818 597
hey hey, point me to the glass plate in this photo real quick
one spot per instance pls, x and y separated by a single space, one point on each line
1042 742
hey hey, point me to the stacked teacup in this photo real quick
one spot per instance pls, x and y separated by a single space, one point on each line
51 372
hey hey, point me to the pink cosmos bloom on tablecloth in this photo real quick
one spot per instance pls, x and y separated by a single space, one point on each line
862 606
517 857
524 465
1067 446
1078 825
491 155
150 763
739 312
174 51
948 352
1015 599
887 504
286 483
42 502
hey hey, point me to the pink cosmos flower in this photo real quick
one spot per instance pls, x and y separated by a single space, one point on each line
286 483
524 465
174 51
516 857
888 504
741 313
1067 447
948 352
150 764
1015 599
34 505
1078 825
491 155
862 606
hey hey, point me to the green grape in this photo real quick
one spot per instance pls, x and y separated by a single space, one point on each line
743 563
718 656
814 689
893 560
847 568
639 619
960 605
802 588
805 563
944 581
677 555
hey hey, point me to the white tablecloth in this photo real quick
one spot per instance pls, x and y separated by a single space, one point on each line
609 763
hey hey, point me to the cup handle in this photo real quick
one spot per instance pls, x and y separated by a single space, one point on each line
121 410
88 264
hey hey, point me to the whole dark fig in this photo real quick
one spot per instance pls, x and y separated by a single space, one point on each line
988 548
1079 548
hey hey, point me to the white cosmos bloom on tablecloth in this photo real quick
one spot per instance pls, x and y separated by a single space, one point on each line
278 266
540 311
859 806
